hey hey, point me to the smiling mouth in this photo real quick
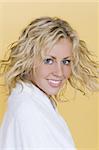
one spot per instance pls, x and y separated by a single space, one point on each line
54 83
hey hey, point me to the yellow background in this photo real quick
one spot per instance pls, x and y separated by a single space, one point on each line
81 113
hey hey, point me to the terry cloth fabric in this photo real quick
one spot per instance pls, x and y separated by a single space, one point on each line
32 123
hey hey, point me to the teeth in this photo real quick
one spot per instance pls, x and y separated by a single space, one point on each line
54 81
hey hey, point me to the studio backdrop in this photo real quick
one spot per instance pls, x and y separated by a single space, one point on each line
80 112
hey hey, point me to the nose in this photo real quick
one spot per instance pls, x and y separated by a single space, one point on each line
58 70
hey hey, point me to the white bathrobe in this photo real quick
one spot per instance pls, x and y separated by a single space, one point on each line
32 123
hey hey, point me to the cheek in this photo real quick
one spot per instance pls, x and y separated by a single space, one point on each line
67 72
42 71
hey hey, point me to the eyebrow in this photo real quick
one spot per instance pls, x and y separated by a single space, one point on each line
63 58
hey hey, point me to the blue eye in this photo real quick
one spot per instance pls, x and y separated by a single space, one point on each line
66 62
48 61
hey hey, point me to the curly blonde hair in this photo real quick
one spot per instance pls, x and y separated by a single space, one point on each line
39 37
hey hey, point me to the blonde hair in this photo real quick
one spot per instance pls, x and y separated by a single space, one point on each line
39 37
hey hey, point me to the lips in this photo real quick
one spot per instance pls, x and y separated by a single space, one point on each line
55 83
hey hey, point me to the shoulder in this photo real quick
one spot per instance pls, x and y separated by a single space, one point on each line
27 111
21 101
20 91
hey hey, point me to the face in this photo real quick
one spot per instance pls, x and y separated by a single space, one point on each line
55 68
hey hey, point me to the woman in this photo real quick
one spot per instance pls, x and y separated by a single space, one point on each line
46 56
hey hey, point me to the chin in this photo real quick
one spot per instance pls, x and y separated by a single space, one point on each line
52 92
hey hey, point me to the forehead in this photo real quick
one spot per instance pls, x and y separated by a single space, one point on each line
62 49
